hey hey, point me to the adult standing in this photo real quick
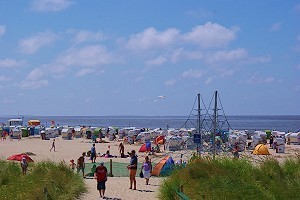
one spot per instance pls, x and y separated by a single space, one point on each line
93 154
121 148
53 145
147 169
132 167
271 140
81 164
101 176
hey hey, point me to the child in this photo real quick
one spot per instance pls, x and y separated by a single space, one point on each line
24 165
72 165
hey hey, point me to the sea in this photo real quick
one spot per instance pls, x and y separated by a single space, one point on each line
254 122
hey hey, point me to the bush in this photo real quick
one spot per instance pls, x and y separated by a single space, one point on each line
57 179
235 179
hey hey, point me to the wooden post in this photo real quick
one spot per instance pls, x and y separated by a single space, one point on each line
110 168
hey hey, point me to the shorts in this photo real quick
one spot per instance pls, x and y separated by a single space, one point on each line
93 155
132 172
80 168
101 185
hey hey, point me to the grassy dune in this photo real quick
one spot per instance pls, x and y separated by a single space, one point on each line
235 179
60 181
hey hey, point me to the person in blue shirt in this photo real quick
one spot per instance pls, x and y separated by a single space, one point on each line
93 154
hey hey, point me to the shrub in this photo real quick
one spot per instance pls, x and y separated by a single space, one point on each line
57 179
235 179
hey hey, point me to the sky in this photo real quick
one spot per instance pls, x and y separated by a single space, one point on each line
100 58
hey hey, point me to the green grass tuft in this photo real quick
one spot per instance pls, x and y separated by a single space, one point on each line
60 182
235 179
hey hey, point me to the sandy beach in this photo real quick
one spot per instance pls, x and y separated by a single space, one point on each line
117 187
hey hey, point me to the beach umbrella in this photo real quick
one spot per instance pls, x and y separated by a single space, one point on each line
19 157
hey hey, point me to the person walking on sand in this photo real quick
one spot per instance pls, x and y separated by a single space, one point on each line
81 164
93 154
53 145
132 167
101 176
147 169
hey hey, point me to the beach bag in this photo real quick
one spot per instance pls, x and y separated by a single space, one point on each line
141 174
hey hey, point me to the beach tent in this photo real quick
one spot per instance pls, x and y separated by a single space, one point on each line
261 149
145 147
164 167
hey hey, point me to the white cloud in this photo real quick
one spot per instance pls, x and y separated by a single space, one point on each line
50 5
88 56
151 38
226 56
191 73
225 72
258 80
2 29
35 79
32 44
84 72
9 63
36 74
84 36
157 61
176 55
276 26
261 59
211 35
209 80
170 82
33 84
180 53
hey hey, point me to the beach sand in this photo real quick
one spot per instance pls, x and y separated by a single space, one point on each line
117 187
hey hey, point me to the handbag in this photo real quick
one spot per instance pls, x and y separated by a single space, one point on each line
141 174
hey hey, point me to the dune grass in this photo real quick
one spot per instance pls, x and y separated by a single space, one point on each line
57 179
235 179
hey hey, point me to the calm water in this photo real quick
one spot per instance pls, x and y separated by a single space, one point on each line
282 123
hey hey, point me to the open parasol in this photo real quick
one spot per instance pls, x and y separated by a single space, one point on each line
19 157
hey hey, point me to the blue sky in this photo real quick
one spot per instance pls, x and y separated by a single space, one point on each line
68 57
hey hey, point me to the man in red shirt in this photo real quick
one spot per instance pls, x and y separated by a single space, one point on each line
101 176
